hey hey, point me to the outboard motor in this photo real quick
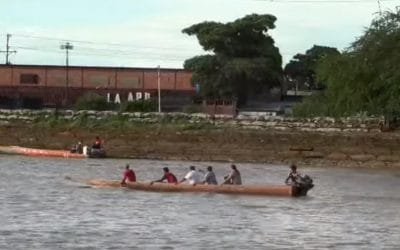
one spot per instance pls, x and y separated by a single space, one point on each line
305 183
97 153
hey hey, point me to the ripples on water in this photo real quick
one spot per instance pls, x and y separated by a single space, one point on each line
42 209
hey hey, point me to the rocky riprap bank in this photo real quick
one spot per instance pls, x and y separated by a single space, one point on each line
246 120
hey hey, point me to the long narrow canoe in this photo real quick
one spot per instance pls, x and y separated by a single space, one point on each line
264 190
39 152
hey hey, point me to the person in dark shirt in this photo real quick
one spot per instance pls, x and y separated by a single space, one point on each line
97 143
209 177
293 177
129 175
234 177
77 149
170 177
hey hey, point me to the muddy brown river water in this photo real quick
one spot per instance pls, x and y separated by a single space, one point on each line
42 209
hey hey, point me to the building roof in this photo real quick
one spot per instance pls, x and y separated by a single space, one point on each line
88 67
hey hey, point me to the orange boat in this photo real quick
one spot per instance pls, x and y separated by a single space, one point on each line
91 153
264 190
39 152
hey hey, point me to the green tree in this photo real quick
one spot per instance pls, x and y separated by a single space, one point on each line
365 78
243 59
300 71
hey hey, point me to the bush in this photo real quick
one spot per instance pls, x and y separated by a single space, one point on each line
312 106
193 109
139 106
93 101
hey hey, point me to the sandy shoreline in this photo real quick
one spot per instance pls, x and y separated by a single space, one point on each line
163 142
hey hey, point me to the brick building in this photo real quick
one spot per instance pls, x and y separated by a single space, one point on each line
49 86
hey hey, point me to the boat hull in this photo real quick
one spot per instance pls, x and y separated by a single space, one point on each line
270 190
39 152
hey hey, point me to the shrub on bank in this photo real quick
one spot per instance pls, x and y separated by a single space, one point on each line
193 109
93 101
308 107
139 106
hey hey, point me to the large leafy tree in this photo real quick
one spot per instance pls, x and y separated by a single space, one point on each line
300 71
242 61
366 77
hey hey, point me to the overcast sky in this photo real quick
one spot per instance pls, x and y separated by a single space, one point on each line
148 33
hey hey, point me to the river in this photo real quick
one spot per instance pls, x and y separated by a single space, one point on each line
42 209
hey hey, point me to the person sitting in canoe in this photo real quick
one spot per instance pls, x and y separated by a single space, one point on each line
77 149
234 177
97 143
294 177
192 177
170 177
129 175
209 177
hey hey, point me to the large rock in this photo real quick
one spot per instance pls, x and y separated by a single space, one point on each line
362 157
389 158
328 130
394 165
337 156
289 154
352 150
312 154
375 164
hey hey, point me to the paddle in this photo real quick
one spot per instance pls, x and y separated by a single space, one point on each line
69 178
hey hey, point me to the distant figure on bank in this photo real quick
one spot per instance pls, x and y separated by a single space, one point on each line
129 175
170 177
78 148
210 178
234 177
97 143
294 177
192 177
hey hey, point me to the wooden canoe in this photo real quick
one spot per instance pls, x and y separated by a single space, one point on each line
264 190
39 152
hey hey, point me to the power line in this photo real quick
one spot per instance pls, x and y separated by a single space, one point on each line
94 43
93 50
80 53
122 53
113 49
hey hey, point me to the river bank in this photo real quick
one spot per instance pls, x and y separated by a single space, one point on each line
207 142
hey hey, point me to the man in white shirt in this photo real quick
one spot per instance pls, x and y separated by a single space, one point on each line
192 177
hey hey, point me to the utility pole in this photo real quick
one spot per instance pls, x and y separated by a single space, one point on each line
159 88
67 47
8 52
380 7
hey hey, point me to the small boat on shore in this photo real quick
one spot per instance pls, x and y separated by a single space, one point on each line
262 190
49 153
